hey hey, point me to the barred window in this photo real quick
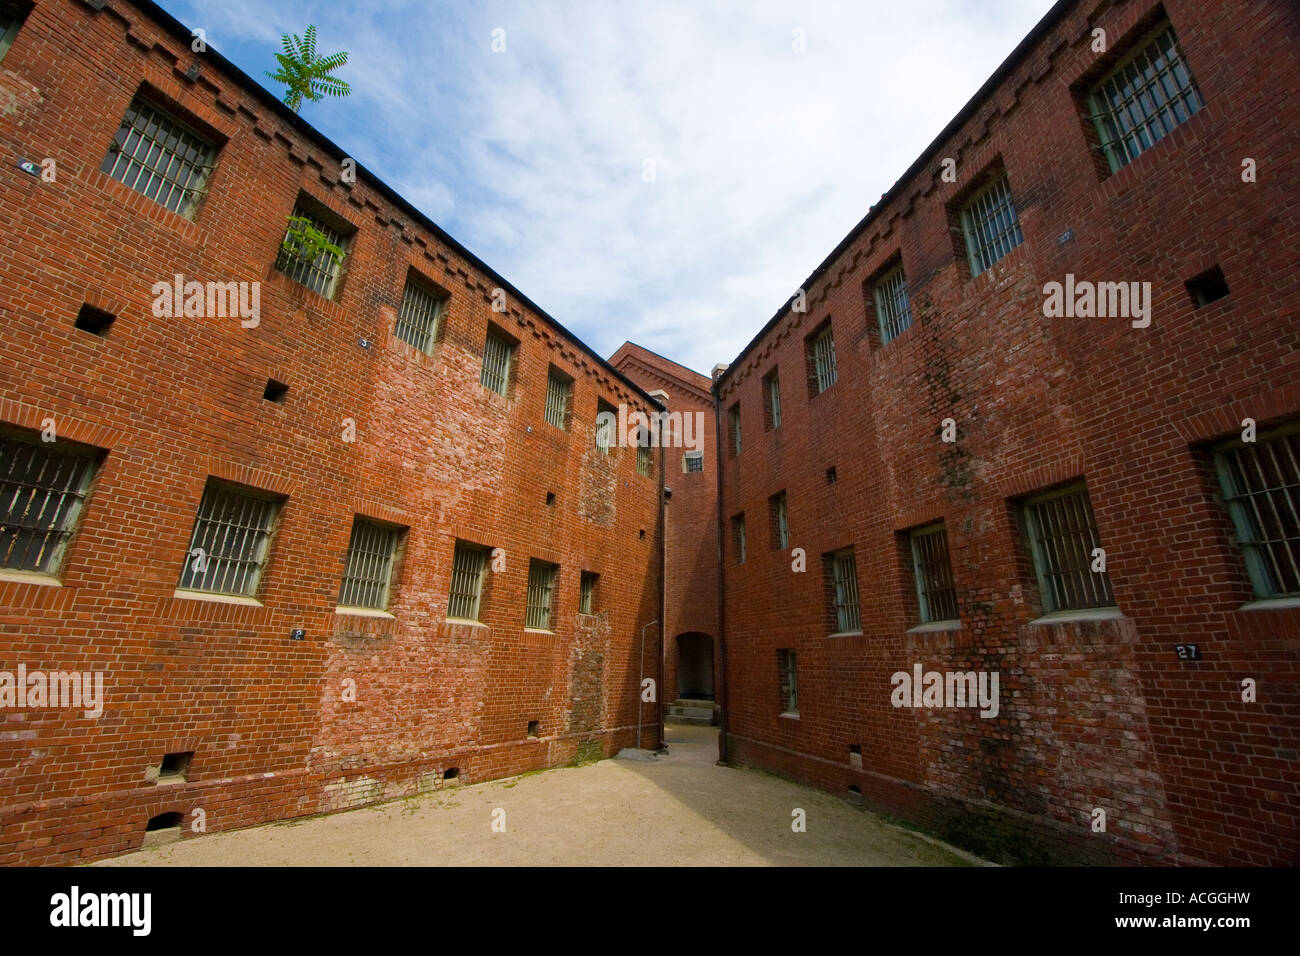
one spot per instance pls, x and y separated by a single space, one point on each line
559 391
990 225
467 566
733 424
231 539
932 567
785 662
738 537
320 274
541 583
823 359
1062 537
11 18
693 461
368 567
844 566
772 386
1261 485
587 592
605 420
497 356
893 310
155 154
42 492
780 522
644 457
417 320
1144 98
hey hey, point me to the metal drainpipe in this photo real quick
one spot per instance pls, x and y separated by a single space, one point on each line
663 579
722 612
641 679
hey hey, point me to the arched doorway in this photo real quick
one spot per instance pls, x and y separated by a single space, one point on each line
694 666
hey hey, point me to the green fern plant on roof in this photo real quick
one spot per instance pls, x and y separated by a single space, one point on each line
304 73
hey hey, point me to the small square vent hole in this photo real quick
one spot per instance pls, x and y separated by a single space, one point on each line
175 767
1209 286
95 321
275 391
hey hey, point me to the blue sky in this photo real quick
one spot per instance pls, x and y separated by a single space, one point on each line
536 158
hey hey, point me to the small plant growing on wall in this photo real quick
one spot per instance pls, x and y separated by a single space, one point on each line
303 242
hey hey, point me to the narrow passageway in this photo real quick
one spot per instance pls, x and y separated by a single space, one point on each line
679 810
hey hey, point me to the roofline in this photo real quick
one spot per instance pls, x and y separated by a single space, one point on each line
1053 16
638 345
288 116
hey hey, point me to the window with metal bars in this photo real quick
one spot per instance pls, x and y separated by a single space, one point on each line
368 567
559 394
11 19
935 592
320 274
733 426
231 540
43 489
738 537
606 417
1261 486
467 566
772 390
844 571
498 353
990 225
893 310
780 521
587 592
1062 538
418 318
644 455
157 155
693 461
1138 103
541 585
822 350
786 668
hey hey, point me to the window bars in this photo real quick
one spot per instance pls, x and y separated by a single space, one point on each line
496 363
541 583
932 567
824 360
417 320
848 616
228 548
557 400
320 274
467 566
1261 485
368 568
42 491
990 223
1140 102
1062 537
155 155
893 310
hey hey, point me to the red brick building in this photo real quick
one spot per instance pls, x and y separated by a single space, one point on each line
1061 486
691 668
329 532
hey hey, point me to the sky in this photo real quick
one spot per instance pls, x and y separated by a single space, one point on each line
665 172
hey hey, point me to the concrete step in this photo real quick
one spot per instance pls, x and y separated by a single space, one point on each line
699 712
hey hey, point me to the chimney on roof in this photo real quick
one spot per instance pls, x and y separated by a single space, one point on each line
718 370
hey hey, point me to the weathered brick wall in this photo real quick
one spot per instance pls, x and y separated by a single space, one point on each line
172 401
1093 714
691 570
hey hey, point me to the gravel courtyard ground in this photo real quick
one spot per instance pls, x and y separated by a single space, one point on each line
679 810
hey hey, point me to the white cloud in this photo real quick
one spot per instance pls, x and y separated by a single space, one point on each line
533 158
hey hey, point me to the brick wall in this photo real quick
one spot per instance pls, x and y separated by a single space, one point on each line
172 401
691 569
1094 714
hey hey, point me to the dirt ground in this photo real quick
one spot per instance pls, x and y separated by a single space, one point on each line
678 810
